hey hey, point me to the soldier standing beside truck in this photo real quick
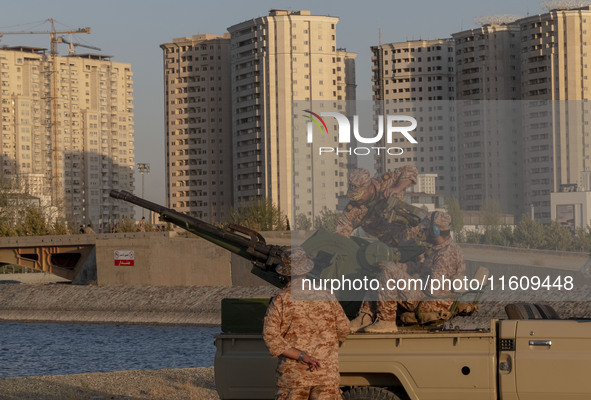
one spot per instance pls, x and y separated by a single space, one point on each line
305 335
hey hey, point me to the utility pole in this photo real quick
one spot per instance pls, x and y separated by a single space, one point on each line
144 168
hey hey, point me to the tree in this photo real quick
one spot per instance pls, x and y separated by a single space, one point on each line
452 205
327 220
59 228
582 241
126 225
558 237
490 218
303 223
33 223
7 230
259 215
529 234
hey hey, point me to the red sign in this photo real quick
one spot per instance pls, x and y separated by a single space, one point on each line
124 258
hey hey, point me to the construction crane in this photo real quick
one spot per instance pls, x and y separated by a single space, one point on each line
52 34
71 45
54 40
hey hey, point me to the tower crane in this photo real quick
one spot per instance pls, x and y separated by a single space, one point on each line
71 44
52 34
54 40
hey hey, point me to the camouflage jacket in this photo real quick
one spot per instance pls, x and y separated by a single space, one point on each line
315 327
372 217
445 259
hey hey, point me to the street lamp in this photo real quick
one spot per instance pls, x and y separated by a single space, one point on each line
144 168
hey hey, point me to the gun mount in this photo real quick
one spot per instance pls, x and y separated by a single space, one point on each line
237 239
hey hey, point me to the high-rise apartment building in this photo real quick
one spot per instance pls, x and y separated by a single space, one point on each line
556 86
68 131
198 126
283 64
520 152
489 125
417 78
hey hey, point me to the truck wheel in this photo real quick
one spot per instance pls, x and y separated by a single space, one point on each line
369 393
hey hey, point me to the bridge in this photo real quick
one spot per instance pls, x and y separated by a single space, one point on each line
61 255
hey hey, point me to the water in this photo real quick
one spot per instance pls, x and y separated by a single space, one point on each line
28 349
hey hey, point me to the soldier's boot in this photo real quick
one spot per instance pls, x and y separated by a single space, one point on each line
382 326
432 316
361 321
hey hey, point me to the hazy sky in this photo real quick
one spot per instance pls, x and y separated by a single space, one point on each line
132 30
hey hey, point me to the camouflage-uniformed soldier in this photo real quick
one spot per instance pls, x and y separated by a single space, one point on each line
444 259
369 202
305 335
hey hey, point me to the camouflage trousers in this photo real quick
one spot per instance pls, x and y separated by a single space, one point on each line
389 302
309 393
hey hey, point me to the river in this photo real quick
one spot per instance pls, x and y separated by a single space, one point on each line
28 349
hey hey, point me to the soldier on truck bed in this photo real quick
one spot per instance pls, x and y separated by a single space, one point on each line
369 201
376 206
445 259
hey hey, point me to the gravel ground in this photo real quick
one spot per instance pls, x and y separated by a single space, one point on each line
164 384
196 305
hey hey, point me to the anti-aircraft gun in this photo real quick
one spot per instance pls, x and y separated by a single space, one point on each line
334 256
237 239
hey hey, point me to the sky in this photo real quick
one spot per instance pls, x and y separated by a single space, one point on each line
132 31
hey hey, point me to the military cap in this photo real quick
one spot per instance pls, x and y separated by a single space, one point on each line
359 181
294 262
442 220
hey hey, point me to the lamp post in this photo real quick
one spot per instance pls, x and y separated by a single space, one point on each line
144 168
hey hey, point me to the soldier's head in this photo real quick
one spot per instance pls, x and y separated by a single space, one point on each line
294 262
439 229
360 187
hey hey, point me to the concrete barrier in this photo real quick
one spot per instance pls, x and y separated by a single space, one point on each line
160 259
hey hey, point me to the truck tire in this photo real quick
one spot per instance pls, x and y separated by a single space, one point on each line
369 393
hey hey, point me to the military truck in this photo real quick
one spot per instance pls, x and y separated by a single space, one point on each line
529 356
533 354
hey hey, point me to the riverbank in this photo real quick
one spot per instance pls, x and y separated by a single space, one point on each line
165 384
35 298
194 305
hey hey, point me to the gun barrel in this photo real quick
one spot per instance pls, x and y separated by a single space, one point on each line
232 238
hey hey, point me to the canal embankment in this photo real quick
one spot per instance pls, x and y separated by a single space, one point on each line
59 302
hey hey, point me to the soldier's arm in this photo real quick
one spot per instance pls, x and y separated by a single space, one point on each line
444 264
272 328
404 177
342 322
350 219
273 336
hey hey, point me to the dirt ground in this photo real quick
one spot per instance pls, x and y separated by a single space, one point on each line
165 384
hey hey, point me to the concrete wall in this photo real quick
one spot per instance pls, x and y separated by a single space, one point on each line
162 259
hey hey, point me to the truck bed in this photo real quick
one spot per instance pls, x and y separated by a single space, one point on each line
245 370
519 359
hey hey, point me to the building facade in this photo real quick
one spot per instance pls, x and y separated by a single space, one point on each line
68 131
489 117
283 64
198 126
556 84
417 78
541 142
